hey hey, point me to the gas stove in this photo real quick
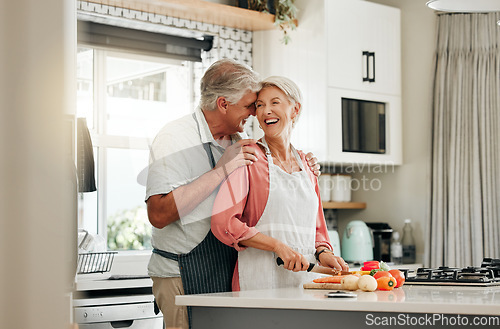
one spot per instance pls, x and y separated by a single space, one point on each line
486 275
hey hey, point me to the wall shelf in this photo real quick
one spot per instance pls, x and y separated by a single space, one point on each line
344 205
200 11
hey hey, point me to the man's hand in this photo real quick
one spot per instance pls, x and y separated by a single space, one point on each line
237 155
313 164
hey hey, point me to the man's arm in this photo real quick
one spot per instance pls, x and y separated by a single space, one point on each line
164 209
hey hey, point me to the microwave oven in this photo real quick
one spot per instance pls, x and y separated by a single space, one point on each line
364 128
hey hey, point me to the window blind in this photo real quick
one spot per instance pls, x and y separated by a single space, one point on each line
143 42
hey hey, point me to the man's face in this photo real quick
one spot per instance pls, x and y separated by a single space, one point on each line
237 114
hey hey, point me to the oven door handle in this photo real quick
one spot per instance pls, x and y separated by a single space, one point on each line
122 324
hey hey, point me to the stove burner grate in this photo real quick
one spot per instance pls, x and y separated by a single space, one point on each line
487 274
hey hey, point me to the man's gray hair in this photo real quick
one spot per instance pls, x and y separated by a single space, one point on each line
288 87
226 78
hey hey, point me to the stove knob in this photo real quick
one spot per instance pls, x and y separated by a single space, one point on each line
85 315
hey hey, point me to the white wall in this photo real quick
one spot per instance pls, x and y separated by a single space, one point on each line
404 191
37 202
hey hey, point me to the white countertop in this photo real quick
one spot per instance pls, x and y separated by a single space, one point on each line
407 299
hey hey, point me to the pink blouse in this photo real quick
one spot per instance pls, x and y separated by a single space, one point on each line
241 201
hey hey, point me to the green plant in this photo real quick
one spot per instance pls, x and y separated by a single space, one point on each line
129 229
285 14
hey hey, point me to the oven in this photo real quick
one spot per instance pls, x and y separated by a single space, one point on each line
109 303
488 274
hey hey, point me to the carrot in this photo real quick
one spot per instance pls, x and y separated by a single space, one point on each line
332 279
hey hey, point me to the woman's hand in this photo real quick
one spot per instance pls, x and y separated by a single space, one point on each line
328 259
293 261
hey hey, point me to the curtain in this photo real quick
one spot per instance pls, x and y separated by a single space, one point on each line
465 187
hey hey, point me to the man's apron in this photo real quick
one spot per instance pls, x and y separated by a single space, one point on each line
209 267
290 216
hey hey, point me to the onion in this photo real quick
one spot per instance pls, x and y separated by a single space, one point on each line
367 283
350 282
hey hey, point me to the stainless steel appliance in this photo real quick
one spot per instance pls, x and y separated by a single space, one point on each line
488 274
382 234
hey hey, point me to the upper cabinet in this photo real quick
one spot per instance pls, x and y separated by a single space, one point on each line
363 46
346 58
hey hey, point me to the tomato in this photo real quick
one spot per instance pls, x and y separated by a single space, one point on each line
371 265
399 276
381 274
386 283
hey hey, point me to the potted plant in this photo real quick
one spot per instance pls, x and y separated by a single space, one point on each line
285 13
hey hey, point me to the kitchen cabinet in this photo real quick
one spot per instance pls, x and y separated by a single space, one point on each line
363 47
325 58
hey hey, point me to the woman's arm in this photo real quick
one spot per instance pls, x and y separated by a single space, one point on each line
293 260
231 200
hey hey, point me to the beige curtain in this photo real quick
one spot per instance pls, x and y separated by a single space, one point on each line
465 191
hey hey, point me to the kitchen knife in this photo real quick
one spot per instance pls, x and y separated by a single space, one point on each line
318 268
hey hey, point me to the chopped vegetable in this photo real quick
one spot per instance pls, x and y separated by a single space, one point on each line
330 279
371 265
333 278
350 282
386 283
384 266
367 283
399 276
381 274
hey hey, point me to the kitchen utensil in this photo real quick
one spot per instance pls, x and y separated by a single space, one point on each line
324 286
357 242
341 191
318 268
325 186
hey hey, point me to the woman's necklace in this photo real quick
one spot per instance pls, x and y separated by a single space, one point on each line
288 170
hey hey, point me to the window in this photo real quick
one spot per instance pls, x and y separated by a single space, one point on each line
126 99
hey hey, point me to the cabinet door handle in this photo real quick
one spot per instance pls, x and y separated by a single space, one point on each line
372 66
366 59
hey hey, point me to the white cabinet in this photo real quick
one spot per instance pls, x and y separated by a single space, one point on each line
363 46
325 58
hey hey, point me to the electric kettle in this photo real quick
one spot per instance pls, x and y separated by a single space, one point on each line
357 242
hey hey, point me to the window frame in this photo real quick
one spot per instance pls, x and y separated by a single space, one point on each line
102 141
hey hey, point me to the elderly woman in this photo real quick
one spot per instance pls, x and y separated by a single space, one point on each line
272 208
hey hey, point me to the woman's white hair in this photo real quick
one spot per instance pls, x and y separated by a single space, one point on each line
226 78
288 87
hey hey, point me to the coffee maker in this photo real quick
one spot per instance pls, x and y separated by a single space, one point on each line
382 234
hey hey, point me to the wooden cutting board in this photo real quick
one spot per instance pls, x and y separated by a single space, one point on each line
314 285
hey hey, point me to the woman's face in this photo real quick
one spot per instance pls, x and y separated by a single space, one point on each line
275 112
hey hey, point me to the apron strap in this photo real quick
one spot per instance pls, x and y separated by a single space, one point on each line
166 254
206 146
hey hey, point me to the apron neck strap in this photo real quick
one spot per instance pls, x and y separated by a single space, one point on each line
270 156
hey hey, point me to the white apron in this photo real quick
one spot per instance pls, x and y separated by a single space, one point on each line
289 216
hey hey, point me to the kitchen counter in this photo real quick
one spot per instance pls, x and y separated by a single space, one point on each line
290 306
